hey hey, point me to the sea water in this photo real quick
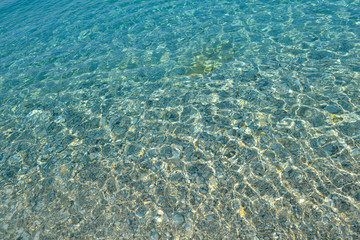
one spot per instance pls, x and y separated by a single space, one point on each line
180 119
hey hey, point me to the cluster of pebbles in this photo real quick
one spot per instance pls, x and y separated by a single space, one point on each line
217 155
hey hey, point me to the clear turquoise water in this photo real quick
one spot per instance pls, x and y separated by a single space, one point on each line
179 119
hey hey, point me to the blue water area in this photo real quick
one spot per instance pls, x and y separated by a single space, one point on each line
153 119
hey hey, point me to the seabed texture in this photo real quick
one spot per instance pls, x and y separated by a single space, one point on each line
180 119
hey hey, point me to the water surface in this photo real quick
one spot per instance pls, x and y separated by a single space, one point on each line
179 119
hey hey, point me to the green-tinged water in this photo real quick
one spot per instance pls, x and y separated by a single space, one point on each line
179 119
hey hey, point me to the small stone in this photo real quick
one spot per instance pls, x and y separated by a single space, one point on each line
334 109
331 149
155 236
178 219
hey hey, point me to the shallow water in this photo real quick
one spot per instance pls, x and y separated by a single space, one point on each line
179 119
